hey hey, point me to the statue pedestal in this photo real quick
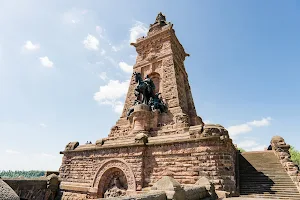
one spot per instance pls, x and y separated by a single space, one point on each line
141 118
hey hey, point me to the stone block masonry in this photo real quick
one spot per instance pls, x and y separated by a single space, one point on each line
143 165
147 143
43 188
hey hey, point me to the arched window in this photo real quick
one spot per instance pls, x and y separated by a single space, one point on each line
156 80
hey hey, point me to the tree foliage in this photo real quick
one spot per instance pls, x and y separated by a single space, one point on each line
241 150
25 174
295 155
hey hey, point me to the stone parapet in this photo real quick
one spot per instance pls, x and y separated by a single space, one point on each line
43 188
281 150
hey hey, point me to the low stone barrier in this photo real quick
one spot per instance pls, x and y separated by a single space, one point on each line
281 150
167 188
43 188
193 192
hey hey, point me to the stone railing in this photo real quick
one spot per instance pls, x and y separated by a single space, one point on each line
43 188
281 150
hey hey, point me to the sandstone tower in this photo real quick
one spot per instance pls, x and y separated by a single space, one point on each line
149 144
161 56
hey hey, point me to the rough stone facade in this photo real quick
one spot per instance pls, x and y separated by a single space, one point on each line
281 150
148 145
6 192
161 56
43 188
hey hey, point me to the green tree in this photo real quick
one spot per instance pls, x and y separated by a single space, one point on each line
25 174
241 150
295 155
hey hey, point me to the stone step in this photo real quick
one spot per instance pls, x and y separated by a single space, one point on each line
262 175
266 179
281 184
264 187
283 180
287 194
271 196
267 183
270 176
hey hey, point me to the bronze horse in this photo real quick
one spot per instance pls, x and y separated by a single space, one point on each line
142 89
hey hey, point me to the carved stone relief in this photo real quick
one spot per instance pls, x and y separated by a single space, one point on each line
109 171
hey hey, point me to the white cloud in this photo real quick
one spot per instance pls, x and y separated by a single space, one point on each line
258 148
247 143
100 31
74 21
43 125
103 76
118 107
46 62
247 127
250 145
47 155
111 60
139 29
262 122
125 67
117 48
11 151
238 129
111 93
30 46
132 56
72 16
102 52
207 122
91 42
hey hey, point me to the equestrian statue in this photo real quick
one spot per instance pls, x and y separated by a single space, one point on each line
144 92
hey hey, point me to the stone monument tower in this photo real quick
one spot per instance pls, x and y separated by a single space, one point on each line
161 57
158 133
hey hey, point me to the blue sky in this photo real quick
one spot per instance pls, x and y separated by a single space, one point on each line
65 65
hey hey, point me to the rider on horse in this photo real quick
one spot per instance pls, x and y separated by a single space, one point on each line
150 84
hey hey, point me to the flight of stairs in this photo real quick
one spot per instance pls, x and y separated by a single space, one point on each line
262 176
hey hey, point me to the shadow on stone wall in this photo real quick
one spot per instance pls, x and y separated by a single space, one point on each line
43 188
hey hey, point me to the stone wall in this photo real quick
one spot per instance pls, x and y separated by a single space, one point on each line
187 161
83 171
281 150
43 188
85 168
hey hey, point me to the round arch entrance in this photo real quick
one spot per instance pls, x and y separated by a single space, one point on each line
113 178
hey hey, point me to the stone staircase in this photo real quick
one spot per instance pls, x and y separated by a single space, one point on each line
262 176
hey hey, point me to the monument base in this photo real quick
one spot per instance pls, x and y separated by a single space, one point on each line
138 165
